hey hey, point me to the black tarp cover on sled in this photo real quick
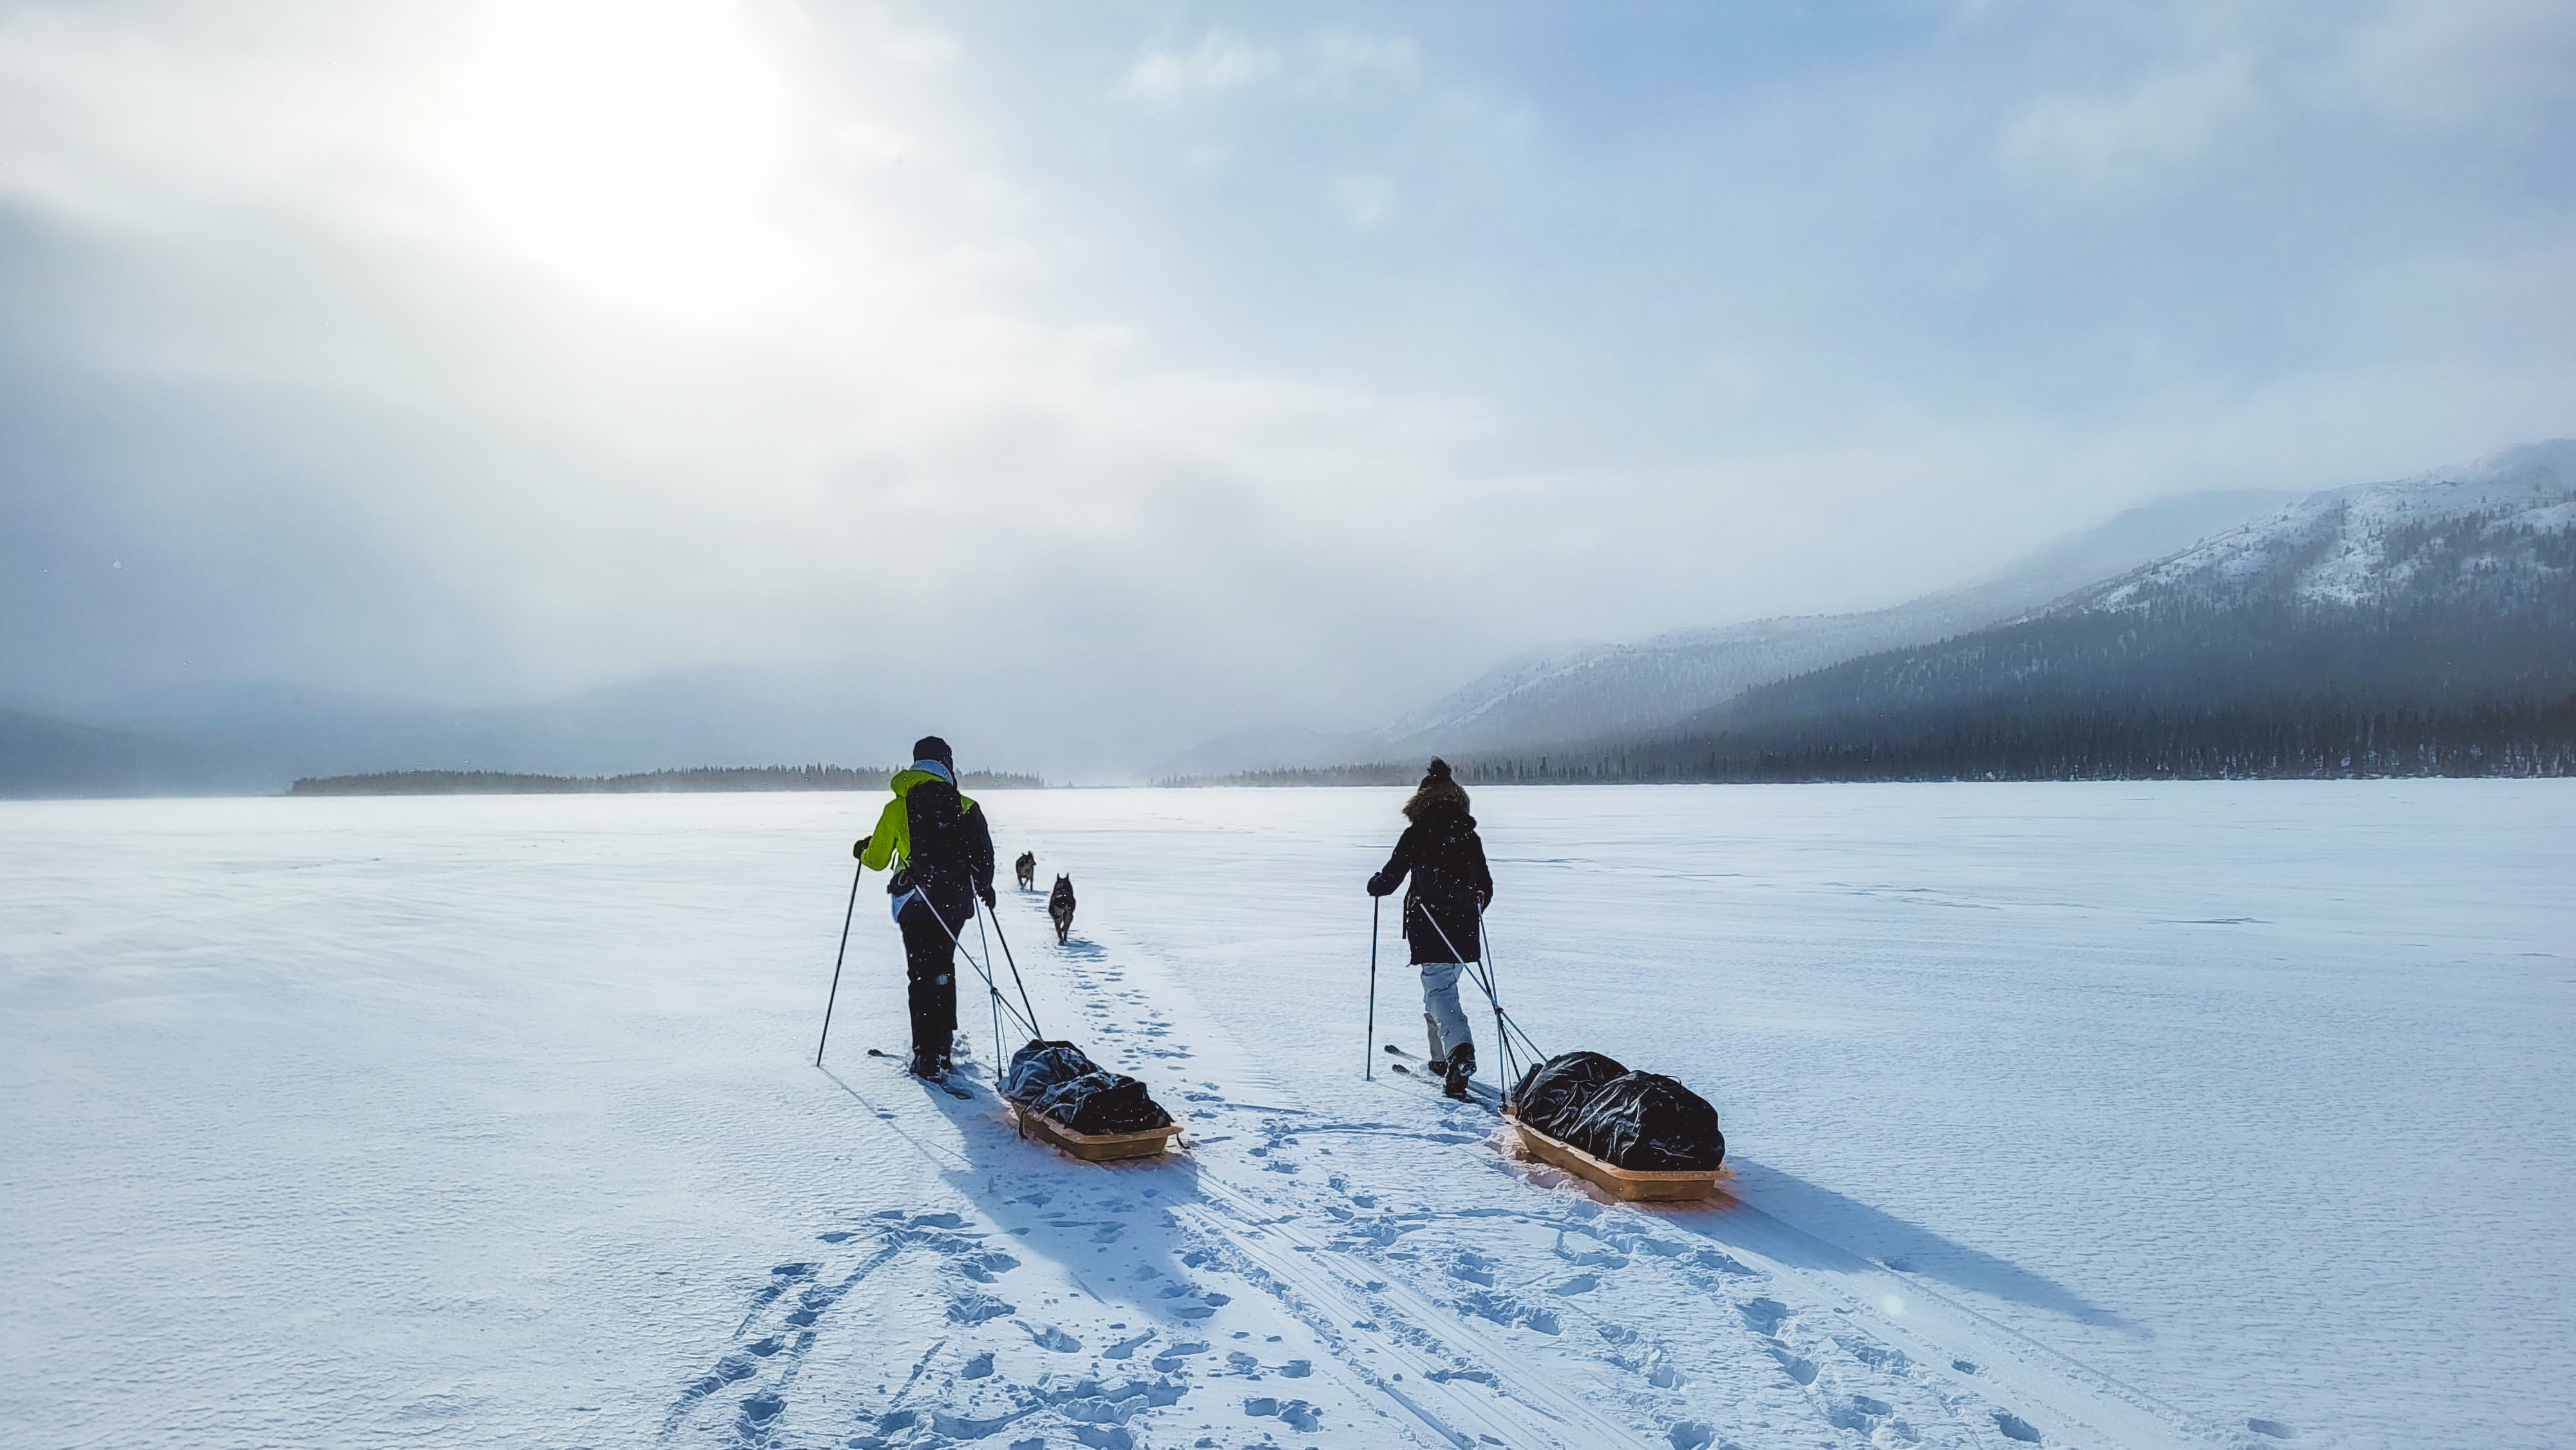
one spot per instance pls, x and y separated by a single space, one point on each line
1636 1120
1552 1092
1055 1080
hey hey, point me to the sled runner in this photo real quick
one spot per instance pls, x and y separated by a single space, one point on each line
1093 1147
1634 1135
1628 1184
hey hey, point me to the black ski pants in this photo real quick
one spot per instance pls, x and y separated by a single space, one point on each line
930 969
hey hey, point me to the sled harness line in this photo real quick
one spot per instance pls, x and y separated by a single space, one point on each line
1482 974
992 989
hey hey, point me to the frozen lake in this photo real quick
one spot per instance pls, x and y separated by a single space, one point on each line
2173 1114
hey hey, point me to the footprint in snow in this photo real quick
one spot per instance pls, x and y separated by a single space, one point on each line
1053 1338
982 1267
1861 1415
977 1308
2014 1427
2272 1428
1801 1369
1877 1356
1298 1414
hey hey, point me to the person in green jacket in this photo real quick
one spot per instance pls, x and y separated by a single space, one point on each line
941 850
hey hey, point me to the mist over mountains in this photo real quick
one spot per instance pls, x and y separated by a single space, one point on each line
2446 592
2426 625
1582 689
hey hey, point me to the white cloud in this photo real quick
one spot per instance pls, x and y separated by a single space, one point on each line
1364 201
2450 61
1221 61
1344 60
2142 134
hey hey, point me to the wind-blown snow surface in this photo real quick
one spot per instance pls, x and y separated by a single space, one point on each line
2100 1115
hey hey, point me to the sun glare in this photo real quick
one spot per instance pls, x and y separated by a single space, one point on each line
630 141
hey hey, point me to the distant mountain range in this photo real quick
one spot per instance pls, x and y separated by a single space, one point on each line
1583 690
2422 626
256 738
2176 632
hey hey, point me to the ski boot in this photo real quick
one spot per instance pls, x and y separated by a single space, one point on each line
1455 1069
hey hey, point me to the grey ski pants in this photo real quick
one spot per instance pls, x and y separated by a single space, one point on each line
1441 1008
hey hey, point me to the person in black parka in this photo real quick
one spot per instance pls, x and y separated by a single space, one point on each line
1451 888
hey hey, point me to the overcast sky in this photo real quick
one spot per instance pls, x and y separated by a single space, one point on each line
1256 363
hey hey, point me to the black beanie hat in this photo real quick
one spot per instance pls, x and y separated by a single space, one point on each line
1439 771
931 747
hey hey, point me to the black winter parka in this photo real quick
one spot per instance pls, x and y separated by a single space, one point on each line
1451 884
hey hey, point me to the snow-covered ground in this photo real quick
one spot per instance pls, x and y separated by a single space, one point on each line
2098 1115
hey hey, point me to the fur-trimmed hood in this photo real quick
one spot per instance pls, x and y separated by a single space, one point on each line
1434 795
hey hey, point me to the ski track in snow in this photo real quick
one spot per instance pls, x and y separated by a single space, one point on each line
1057 1303
1374 1317
346 1184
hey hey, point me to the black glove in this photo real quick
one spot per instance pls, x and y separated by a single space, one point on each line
1380 886
986 891
860 847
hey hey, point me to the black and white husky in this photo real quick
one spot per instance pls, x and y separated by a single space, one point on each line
1060 907
1027 866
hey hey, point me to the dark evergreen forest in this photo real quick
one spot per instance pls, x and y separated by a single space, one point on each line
2473 674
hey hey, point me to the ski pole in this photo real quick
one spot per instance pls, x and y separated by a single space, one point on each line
1368 1056
1013 963
846 913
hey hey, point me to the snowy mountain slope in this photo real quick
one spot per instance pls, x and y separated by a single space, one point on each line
1572 691
2490 532
2425 625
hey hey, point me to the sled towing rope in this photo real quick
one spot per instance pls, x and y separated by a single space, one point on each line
1027 1094
1633 1135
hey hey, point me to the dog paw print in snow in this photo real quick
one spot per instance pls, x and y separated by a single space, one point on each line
1296 1413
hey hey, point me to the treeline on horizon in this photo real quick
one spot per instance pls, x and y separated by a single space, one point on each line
2474 678
702 779
2315 740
